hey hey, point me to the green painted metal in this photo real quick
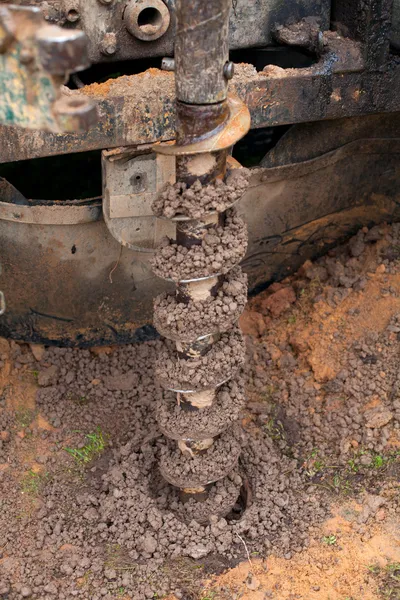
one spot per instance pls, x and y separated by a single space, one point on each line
26 96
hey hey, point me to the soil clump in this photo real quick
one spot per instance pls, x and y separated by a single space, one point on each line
197 200
186 322
220 251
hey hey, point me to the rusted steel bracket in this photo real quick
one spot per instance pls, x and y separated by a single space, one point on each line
128 30
139 109
131 181
35 60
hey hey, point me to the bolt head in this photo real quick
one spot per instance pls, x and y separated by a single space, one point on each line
168 64
62 51
109 44
75 113
26 56
229 70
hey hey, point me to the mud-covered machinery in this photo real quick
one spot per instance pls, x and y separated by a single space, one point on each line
132 169
206 348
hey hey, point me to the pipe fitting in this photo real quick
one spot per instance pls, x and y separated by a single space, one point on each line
147 20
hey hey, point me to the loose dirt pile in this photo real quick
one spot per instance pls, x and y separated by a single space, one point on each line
85 512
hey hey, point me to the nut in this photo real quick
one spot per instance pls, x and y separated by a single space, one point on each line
168 64
109 44
75 113
62 50
147 20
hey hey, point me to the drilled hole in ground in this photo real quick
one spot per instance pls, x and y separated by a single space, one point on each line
168 495
243 502
69 177
286 58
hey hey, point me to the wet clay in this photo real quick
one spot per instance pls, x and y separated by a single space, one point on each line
185 471
197 200
221 250
186 322
220 363
176 423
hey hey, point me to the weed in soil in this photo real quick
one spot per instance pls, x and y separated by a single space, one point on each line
95 445
329 540
388 579
32 483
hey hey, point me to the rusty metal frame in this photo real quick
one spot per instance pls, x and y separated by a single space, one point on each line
131 116
355 75
112 36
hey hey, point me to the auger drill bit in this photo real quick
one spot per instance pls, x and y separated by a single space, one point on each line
199 365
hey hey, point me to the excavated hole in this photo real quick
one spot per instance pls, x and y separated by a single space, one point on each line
243 502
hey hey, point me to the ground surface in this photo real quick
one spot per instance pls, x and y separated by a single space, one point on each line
83 512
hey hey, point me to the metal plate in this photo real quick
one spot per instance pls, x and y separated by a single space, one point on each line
130 184
252 23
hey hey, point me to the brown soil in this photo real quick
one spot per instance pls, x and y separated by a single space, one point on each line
198 200
220 363
90 517
187 322
347 569
221 250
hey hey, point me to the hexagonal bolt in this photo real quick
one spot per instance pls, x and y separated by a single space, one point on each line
109 44
147 20
6 29
62 50
75 113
